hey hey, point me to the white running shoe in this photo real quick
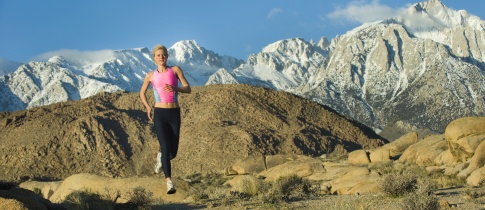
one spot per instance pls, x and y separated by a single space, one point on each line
158 166
170 188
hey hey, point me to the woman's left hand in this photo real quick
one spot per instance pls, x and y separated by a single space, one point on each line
169 88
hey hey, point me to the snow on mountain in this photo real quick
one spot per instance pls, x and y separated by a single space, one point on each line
71 74
7 67
424 68
283 65
383 72
199 63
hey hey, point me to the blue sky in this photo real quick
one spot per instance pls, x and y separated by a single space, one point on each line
29 28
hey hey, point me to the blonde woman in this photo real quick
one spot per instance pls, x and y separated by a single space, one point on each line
166 117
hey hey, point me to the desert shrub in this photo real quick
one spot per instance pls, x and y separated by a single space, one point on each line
139 198
382 167
286 188
37 191
419 201
445 181
207 186
397 185
85 199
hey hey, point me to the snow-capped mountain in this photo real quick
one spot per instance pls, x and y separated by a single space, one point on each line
80 75
198 63
426 75
425 68
385 71
283 65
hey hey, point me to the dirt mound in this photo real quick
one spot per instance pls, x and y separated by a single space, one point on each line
109 134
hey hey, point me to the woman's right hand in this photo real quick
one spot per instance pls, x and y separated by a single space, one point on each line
149 113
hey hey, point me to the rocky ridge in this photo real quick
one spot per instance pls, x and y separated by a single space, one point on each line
109 133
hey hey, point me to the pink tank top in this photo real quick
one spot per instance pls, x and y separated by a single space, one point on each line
158 82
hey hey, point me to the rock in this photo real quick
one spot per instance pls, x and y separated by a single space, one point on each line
380 155
335 170
445 158
100 185
308 168
444 204
358 157
424 152
464 135
398 146
47 188
454 170
476 162
476 178
274 160
249 165
357 181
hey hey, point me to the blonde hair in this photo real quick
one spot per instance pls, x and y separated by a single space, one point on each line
159 47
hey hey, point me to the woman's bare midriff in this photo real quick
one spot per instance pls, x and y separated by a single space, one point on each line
167 105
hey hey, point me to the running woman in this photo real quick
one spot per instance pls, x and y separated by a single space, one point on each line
166 116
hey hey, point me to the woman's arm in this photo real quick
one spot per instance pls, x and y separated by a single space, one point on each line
143 97
185 88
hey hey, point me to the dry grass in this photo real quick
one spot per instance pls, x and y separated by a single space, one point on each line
139 199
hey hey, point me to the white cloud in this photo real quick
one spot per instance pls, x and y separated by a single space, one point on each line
273 12
362 11
77 56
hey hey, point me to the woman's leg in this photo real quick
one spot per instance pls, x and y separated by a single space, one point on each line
163 131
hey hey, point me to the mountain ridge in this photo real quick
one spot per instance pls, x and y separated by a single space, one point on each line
379 73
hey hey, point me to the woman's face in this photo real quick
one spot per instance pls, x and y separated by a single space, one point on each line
160 57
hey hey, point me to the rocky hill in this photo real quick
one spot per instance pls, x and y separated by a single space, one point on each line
109 133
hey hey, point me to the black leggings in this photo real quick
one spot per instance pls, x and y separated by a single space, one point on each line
167 127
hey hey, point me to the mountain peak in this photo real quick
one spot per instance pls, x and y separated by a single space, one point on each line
434 15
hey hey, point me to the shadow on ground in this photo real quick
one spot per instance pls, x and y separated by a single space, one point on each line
177 206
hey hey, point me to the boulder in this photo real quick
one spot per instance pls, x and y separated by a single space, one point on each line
445 158
274 160
335 170
398 146
425 152
101 185
47 188
358 157
454 170
381 154
308 168
357 181
249 165
476 178
476 162
464 135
